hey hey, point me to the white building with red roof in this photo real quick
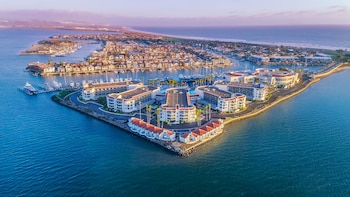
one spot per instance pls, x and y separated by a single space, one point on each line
205 132
150 131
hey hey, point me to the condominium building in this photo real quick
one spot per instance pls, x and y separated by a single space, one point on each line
130 100
278 78
177 108
253 92
221 100
93 91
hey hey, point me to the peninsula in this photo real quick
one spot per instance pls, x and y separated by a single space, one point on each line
179 114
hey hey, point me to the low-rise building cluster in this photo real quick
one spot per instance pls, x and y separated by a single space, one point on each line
136 52
150 131
203 133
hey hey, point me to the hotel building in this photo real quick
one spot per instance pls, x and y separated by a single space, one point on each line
221 100
92 91
177 108
128 101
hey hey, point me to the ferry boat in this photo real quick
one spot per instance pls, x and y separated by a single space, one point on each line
29 89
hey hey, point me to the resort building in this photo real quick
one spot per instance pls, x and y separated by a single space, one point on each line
177 108
221 100
150 131
129 101
205 132
92 91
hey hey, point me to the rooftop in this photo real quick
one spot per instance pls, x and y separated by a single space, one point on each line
216 92
177 96
111 84
132 93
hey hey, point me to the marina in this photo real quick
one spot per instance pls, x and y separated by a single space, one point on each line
47 88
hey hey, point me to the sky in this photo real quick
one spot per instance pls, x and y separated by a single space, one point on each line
182 12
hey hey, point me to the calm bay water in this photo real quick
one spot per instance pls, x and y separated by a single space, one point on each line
298 148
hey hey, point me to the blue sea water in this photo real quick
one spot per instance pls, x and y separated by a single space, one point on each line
330 37
298 148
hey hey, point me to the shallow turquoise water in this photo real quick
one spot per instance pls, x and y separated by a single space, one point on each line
298 148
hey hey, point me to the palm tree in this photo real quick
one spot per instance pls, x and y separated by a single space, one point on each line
148 109
207 112
198 116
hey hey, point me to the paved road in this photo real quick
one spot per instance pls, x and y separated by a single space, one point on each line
96 108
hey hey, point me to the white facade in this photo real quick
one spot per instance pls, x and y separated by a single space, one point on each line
128 101
236 77
178 108
150 131
205 132
177 115
221 100
93 91
234 104
255 92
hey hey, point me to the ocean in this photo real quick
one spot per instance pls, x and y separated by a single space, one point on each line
298 148
328 37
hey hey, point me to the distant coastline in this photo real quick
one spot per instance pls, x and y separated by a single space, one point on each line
298 45
87 27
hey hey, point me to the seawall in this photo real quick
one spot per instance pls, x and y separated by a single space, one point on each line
317 78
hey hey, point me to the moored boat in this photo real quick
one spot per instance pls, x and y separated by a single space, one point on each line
29 89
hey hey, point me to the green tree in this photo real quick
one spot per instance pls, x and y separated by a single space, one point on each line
148 110
198 116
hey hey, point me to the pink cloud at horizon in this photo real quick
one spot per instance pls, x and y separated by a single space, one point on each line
335 15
